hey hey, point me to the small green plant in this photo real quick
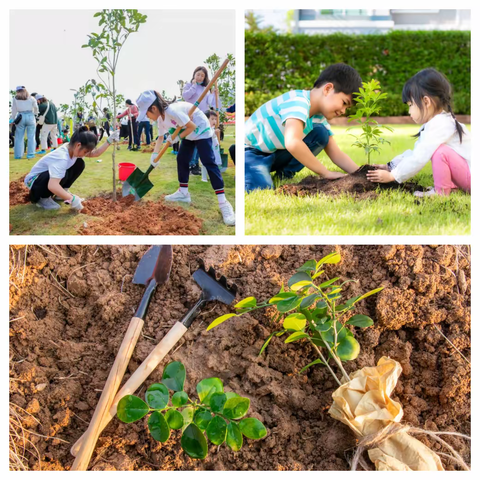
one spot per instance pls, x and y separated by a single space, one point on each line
218 414
313 313
368 104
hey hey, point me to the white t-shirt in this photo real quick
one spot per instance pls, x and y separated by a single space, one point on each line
56 163
176 115
440 130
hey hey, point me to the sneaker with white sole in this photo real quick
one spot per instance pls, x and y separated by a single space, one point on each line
430 192
178 196
47 204
227 213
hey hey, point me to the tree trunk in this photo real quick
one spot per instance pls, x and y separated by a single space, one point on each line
114 170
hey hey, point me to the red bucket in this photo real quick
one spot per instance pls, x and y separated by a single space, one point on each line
125 170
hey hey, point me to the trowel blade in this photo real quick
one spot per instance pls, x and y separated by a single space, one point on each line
155 263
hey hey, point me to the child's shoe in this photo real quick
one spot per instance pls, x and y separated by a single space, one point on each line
429 193
47 204
41 152
227 213
29 157
178 196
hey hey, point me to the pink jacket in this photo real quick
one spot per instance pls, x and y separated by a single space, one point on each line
131 111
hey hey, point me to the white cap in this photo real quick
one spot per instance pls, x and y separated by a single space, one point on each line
38 96
20 87
144 101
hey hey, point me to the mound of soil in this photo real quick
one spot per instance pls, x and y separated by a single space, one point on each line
70 307
355 184
128 217
19 193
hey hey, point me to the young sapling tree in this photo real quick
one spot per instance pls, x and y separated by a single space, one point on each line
315 314
217 414
368 101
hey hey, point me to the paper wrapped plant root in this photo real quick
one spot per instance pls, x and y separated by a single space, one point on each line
365 405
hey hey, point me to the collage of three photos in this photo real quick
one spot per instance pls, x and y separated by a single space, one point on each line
319 353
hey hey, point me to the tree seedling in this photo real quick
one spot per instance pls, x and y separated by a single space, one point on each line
311 310
217 414
368 104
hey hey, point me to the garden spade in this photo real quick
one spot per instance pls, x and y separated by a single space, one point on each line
153 270
138 183
212 289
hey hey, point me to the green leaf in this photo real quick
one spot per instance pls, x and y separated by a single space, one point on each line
279 297
361 321
317 274
295 322
299 285
217 430
179 399
220 320
174 376
158 427
348 348
230 395
157 396
365 295
309 266
296 336
234 437
308 301
330 259
207 387
131 408
252 428
249 302
202 419
174 419
236 407
299 277
264 346
194 443
289 304
328 282
187 414
315 362
217 402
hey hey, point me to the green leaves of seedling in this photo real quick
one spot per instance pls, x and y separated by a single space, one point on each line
194 442
174 376
207 387
158 427
217 402
234 437
179 399
157 396
236 407
217 430
131 408
202 418
174 419
252 428
361 321
295 322
220 320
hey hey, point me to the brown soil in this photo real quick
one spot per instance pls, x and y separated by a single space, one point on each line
19 193
70 306
355 184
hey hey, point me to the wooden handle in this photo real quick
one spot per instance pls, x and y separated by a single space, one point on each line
109 391
139 376
194 107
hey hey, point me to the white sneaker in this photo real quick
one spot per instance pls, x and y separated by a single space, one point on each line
178 196
430 192
47 204
227 213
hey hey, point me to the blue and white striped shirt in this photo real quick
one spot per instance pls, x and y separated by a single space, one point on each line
265 129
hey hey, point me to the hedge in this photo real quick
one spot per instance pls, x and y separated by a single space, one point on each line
277 63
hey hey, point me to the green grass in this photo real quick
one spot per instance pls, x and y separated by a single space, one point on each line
391 213
97 178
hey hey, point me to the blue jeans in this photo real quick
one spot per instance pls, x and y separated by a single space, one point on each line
144 126
259 165
194 160
26 123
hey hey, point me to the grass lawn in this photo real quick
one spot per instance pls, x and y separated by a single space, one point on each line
392 213
97 178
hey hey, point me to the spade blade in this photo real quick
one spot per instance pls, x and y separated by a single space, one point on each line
137 184
155 263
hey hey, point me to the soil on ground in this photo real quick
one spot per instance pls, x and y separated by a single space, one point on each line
19 193
70 307
354 184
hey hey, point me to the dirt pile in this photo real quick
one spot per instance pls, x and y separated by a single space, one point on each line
71 310
355 184
19 193
128 217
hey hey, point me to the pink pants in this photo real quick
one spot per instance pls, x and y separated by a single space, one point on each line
450 170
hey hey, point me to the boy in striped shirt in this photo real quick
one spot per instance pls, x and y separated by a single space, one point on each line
287 133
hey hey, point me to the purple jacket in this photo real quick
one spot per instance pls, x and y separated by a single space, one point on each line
191 92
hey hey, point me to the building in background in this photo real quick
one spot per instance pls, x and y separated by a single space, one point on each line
377 20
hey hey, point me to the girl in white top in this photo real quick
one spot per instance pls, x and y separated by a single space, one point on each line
442 139
195 133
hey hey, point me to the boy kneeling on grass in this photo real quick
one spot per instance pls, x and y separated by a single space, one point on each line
287 133
56 172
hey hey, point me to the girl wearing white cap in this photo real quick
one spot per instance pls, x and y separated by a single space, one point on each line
195 133
26 106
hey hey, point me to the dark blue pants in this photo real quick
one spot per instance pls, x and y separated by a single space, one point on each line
205 150
259 165
144 126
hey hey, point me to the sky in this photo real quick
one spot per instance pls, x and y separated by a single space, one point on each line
46 54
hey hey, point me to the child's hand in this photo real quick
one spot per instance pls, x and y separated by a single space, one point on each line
380 176
153 156
333 175
381 167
